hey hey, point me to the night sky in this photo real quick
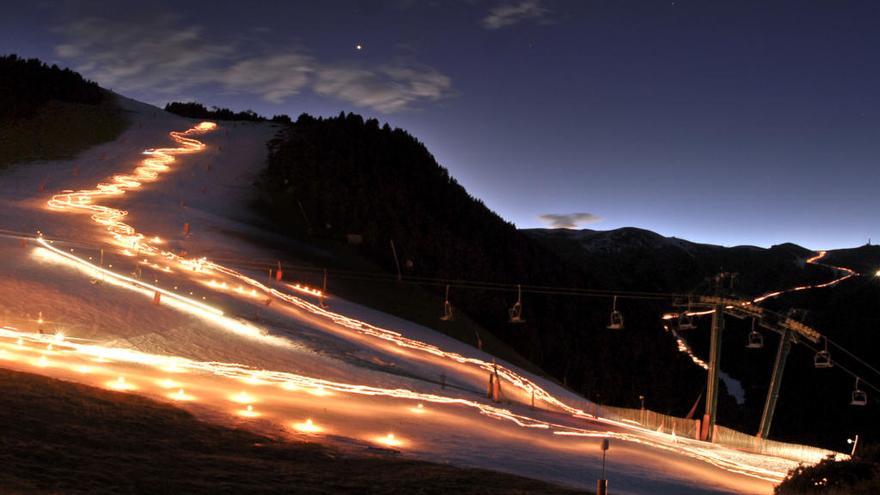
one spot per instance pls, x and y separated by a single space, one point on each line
724 122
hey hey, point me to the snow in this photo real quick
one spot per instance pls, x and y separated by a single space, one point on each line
210 191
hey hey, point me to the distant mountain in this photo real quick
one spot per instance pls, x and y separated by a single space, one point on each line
638 259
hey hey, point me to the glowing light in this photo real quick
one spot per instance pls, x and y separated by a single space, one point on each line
42 362
419 409
248 412
168 383
320 392
389 440
120 384
307 427
180 395
254 380
243 398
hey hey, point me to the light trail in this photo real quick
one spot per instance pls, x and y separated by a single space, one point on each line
685 348
236 284
158 161
847 273
227 375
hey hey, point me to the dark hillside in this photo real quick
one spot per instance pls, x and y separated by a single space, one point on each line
327 178
51 113
864 259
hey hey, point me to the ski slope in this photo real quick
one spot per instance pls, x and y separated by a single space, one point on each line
346 374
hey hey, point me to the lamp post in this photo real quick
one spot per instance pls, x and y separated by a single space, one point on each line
642 413
855 443
602 484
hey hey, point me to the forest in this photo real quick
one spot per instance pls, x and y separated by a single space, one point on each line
25 84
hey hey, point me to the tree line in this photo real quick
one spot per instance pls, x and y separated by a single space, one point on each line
25 84
194 110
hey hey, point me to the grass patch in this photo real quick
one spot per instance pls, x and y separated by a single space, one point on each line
60 437
59 130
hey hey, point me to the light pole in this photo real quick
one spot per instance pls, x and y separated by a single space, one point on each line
855 443
642 414
602 484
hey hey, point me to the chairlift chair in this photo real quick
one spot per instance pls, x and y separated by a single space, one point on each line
616 322
516 310
448 313
686 321
859 397
822 359
756 340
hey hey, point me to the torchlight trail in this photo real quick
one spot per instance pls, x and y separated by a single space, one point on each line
847 273
223 279
227 375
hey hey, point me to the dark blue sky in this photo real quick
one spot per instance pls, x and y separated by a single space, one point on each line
723 122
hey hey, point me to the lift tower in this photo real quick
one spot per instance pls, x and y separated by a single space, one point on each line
708 424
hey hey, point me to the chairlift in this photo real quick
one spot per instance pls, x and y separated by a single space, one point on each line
859 397
756 340
616 322
447 308
516 310
823 357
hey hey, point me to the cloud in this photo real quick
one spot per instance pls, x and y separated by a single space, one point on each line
569 220
273 77
510 13
158 56
163 58
386 89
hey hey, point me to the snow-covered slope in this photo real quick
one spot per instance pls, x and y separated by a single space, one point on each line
365 373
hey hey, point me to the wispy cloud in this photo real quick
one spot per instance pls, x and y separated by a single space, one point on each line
387 89
164 58
273 77
512 12
159 55
569 220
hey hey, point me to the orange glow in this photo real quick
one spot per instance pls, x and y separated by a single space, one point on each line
248 412
389 440
120 384
180 395
243 398
168 383
307 427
